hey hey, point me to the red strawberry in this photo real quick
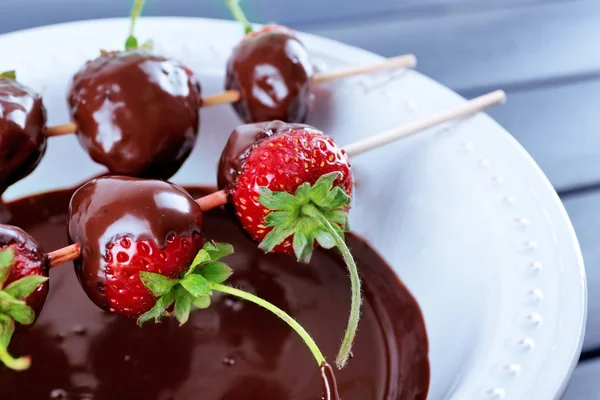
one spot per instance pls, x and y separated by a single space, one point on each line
280 157
291 186
125 259
125 226
23 287
272 71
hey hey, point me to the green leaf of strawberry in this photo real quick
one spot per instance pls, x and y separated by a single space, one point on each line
158 284
193 288
25 286
8 75
290 217
196 285
7 257
216 272
14 308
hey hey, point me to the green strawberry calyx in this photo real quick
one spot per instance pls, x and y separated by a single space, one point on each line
193 290
238 14
315 213
14 308
8 75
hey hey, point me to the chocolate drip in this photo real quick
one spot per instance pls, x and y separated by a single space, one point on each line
109 208
22 125
137 113
273 72
330 389
241 141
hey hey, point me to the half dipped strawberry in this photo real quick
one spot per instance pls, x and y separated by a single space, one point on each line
290 187
126 226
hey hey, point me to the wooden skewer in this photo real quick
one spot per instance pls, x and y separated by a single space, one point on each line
59 130
232 96
70 253
463 110
61 256
405 61
460 111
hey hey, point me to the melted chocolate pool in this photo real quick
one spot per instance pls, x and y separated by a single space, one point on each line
231 351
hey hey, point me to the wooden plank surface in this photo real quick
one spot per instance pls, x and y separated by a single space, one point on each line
585 384
18 14
584 211
560 127
496 48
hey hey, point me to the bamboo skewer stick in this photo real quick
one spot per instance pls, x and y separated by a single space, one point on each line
463 110
405 61
233 96
460 111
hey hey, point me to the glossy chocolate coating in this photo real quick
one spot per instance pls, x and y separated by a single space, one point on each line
108 208
242 140
233 350
137 113
30 259
273 72
22 125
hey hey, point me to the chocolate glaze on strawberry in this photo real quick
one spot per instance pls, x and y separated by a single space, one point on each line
111 208
242 140
22 125
30 259
218 354
273 72
137 113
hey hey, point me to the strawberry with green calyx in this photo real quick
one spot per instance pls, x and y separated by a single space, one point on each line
290 187
23 288
193 290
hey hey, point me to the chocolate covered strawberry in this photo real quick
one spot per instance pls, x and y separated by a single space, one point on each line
142 254
137 113
23 288
290 187
22 125
125 226
272 71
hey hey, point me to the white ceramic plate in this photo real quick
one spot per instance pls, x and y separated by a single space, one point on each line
462 212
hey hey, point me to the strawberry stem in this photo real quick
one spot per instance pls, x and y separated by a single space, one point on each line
132 42
7 328
238 14
345 350
278 312
17 364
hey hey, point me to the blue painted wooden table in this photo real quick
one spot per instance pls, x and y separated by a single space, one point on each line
544 53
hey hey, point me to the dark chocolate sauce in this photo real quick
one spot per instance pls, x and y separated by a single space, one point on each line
242 140
29 259
22 125
137 113
108 208
233 350
273 72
